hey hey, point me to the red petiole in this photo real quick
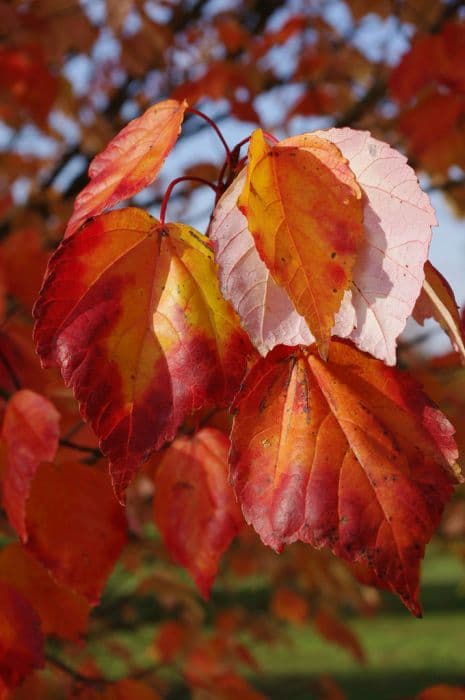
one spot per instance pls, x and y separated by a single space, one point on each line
172 185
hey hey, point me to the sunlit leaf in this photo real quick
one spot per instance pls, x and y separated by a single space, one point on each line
304 210
437 300
265 310
130 161
350 455
387 276
397 219
132 313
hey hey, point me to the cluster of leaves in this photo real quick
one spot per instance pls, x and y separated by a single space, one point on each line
286 314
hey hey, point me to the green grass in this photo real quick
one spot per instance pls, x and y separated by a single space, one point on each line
404 654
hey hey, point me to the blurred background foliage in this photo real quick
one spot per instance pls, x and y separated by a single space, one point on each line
72 73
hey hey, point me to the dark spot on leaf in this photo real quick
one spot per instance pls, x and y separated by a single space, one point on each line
183 485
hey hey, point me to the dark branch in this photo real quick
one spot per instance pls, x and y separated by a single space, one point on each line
75 675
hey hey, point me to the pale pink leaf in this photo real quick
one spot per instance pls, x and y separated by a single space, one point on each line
398 217
388 275
265 310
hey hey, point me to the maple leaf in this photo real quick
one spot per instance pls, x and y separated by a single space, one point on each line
194 505
75 526
387 276
130 162
304 210
348 454
29 434
132 313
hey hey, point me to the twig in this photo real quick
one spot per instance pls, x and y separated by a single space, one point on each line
75 675
64 442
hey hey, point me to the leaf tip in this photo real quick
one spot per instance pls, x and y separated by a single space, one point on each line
204 586
119 487
457 471
323 348
413 606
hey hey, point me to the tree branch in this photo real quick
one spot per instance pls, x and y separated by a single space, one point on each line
75 675
446 185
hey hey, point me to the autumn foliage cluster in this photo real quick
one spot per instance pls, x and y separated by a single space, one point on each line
171 395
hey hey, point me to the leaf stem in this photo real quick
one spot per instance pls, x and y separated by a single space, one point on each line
239 145
64 442
214 127
75 675
270 137
173 184
267 134
221 186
